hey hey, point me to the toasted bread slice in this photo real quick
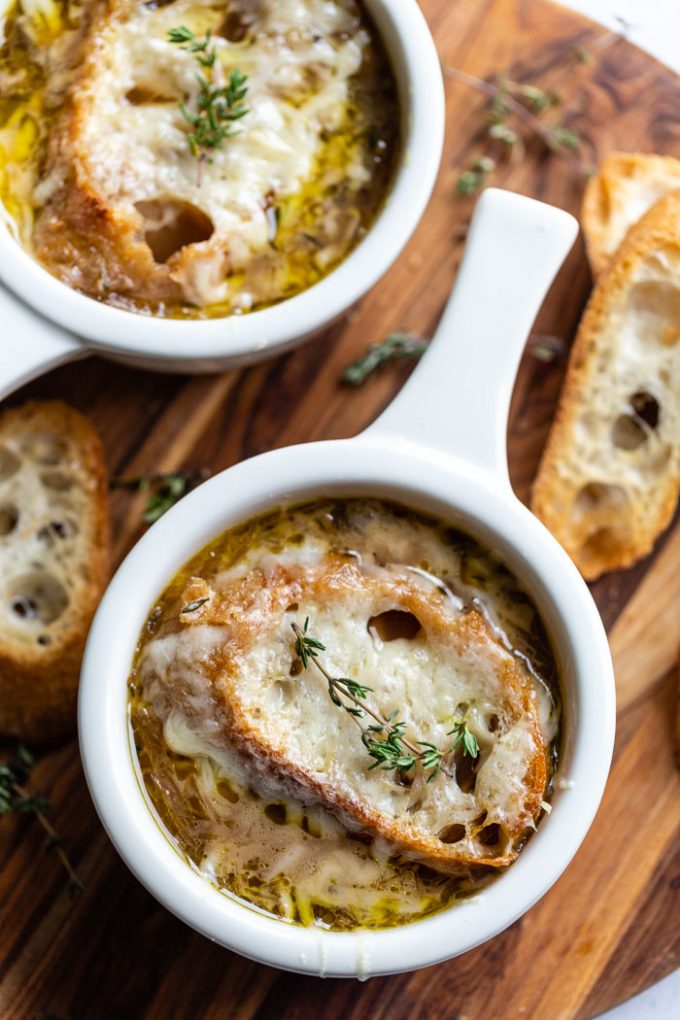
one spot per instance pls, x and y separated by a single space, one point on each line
608 482
131 210
280 717
625 187
54 559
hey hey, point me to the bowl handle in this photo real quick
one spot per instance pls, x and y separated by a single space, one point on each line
30 344
458 398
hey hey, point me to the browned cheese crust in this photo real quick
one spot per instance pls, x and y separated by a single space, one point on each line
253 609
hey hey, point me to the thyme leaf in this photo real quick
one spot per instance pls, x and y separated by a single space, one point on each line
164 489
15 798
465 738
216 107
513 106
394 346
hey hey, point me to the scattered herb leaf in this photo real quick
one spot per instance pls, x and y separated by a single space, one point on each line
14 798
164 490
393 347
511 106
191 607
465 738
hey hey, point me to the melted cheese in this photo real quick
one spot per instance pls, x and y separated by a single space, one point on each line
202 675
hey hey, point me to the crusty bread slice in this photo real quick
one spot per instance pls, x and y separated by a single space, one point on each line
625 187
54 559
608 482
280 717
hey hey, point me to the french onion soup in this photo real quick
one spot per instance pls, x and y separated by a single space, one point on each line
193 158
346 714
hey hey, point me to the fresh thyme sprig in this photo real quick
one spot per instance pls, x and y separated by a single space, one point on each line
14 797
164 489
394 346
525 103
385 738
217 107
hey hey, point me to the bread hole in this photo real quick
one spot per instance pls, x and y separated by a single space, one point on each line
631 430
170 224
360 837
45 448
452 833
659 301
413 808
646 408
37 596
276 813
490 835
238 22
227 791
9 516
56 480
492 723
44 640
285 691
57 531
9 463
143 95
394 624
603 544
292 608
466 769
628 433
597 496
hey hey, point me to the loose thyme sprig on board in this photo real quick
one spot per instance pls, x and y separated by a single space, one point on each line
385 738
14 798
394 346
164 489
512 104
217 107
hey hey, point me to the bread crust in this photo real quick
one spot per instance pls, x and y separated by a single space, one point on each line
628 339
625 187
39 683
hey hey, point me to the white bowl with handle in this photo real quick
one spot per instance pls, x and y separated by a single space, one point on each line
440 448
45 323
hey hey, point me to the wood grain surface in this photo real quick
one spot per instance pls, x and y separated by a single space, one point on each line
610 925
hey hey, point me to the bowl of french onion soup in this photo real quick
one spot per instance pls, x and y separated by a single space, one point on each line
348 707
202 165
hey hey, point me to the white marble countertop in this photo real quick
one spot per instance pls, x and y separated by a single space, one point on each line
655 26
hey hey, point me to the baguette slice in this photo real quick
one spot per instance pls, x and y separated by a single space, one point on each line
625 187
255 694
54 559
608 482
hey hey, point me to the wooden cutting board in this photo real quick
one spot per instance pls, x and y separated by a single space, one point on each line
610 926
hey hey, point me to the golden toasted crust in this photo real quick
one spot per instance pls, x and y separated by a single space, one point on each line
625 187
609 478
39 668
256 602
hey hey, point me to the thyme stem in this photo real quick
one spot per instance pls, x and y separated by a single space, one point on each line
386 751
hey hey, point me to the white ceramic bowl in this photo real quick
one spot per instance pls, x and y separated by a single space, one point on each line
440 447
47 338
